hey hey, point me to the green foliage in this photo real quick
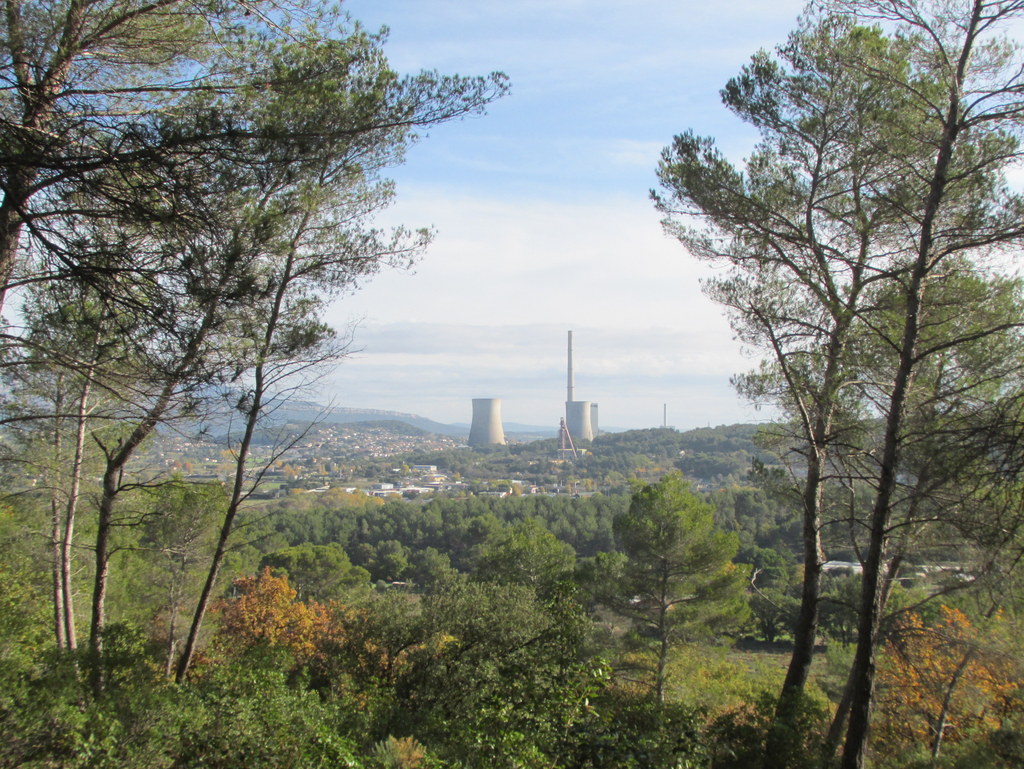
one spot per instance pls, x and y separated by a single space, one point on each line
838 612
245 715
717 678
1002 749
500 677
775 613
525 554
763 519
456 528
677 581
234 717
478 674
738 737
627 731
24 637
317 572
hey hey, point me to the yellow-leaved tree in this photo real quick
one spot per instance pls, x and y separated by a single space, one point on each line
265 611
943 681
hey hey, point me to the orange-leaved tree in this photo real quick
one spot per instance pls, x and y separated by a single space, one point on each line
265 612
942 681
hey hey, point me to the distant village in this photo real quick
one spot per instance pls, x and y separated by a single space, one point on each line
326 456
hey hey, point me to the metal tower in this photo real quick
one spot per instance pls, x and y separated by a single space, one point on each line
566 447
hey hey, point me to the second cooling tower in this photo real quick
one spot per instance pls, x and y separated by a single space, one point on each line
577 419
486 429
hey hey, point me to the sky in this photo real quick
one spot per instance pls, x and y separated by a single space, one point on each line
542 216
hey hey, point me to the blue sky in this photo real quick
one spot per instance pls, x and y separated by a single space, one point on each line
543 219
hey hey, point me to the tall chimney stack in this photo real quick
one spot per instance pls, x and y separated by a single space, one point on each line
570 384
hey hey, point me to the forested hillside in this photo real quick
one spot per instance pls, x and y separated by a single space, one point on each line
712 457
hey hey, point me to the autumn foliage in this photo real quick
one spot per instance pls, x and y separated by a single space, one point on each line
942 682
345 644
265 611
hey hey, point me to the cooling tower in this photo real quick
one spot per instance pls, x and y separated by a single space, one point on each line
593 419
577 419
486 428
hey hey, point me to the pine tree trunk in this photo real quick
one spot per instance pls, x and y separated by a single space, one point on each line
67 537
58 593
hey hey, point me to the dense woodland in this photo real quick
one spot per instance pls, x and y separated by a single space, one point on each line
186 185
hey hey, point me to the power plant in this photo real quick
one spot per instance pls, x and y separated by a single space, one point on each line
580 416
486 429
580 422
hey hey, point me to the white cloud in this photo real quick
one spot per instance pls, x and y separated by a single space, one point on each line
504 261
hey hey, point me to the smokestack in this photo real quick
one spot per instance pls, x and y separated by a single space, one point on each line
486 429
570 384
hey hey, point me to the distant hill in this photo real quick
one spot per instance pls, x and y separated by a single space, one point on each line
307 411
